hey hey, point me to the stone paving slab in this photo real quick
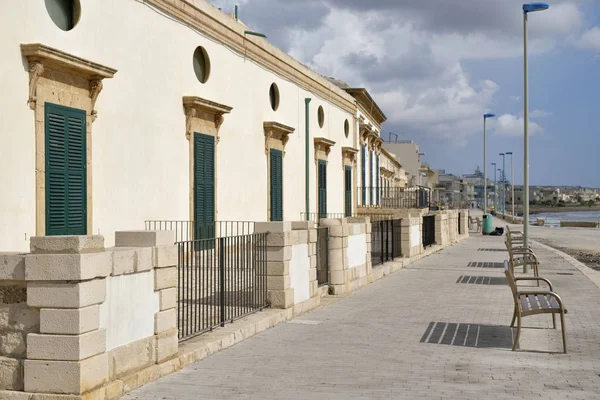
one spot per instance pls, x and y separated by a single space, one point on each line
420 333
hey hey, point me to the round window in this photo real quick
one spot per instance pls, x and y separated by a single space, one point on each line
274 96
64 13
321 116
346 128
201 64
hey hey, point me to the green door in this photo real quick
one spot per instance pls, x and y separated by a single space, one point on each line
348 190
322 189
66 179
276 183
204 186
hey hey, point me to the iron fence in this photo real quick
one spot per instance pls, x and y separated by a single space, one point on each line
316 217
189 230
323 256
428 230
395 197
219 281
386 239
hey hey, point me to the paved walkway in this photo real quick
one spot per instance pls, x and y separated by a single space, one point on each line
435 330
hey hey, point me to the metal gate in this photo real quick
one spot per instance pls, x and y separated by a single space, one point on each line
385 240
323 255
459 219
219 280
428 231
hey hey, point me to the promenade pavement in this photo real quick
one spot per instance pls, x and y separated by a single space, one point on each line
437 329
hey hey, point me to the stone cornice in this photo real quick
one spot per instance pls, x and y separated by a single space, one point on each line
323 144
349 153
277 131
216 26
195 105
41 58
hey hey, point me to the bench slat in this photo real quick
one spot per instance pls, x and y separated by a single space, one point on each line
533 302
544 302
525 303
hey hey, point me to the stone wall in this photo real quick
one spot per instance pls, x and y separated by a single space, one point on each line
17 320
76 317
291 264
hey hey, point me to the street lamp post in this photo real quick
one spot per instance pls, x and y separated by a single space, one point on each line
485 117
527 8
512 182
495 188
503 182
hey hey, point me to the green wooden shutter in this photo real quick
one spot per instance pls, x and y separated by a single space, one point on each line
276 183
370 178
322 188
66 179
363 163
377 172
348 190
204 186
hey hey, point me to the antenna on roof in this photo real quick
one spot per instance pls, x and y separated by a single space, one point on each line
390 137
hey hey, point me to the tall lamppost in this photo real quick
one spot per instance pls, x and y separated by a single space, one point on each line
485 117
527 8
503 182
512 182
495 189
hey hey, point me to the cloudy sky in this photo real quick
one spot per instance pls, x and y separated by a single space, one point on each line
436 66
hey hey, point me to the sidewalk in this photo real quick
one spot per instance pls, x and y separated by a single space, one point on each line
435 330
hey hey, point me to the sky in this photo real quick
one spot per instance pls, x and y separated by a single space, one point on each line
436 66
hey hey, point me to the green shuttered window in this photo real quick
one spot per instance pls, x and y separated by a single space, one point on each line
348 190
66 180
322 188
276 171
378 178
370 178
363 156
204 186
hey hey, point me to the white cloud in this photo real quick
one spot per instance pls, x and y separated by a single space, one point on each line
512 125
515 98
539 114
590 39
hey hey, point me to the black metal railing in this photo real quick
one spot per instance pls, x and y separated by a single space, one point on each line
323 256
386 239
428 230
395 197
189 230
220 280
316 217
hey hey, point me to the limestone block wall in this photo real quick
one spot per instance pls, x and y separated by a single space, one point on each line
349 253
412 235
90 315
17 320
291 264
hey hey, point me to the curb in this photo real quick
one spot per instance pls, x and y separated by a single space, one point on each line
591 274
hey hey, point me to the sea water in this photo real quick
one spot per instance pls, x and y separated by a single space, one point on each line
553 219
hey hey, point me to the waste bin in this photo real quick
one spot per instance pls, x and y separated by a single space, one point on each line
487 224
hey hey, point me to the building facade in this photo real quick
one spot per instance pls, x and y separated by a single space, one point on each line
174 112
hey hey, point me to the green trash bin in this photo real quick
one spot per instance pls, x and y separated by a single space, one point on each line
487 224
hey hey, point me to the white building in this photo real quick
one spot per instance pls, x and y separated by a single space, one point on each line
121 111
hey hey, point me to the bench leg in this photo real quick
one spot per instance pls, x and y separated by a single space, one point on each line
564 333
512 323
553 321
518 332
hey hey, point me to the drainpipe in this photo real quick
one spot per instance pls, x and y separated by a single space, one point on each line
236 12
307 179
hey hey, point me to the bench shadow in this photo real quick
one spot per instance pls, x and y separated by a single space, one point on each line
468 335
482 280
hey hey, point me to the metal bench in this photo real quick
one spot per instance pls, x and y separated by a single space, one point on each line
533 302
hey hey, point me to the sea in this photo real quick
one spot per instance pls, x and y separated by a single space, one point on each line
553 219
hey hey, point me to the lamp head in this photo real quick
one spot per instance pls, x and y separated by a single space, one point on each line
501 154
494 164
509 153
535 6
489 115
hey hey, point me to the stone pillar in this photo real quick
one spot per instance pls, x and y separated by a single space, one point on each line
66 281
338 256
311 230
279 254
163 257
